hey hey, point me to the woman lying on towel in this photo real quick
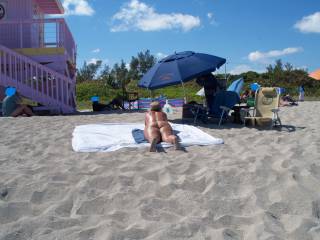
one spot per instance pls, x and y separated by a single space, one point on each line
158 129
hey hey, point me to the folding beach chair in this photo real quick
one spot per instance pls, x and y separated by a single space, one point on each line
223 103
266 108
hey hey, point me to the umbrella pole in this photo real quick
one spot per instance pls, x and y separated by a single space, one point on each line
225 71
184 92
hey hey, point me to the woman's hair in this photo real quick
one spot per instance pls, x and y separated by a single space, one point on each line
155 106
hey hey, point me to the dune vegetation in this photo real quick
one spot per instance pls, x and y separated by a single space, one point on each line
108 83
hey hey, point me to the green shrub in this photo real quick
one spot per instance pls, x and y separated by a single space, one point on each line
88 89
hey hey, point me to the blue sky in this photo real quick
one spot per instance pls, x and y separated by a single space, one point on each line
250 34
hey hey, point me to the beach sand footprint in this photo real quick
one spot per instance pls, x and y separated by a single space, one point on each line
316 209
182 230
229 234
10 212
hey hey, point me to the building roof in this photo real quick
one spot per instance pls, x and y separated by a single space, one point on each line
50 6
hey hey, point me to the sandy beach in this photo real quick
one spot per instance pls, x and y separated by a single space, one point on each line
261 184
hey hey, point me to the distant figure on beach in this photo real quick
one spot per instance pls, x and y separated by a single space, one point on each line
12 107
245 95
287 100
301 93
157 128
248 97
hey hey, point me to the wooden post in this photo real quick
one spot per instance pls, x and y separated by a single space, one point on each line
0 64
21 35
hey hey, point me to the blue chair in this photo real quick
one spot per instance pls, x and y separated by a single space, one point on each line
223 102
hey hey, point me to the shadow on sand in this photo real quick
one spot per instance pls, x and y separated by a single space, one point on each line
138 136
213 124
91 113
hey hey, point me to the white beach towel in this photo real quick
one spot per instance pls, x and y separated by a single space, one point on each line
113 136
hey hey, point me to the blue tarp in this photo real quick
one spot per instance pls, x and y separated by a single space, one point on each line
95 99
236 86
224 98
178 68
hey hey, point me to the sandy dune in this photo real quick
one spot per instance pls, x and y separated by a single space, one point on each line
260 184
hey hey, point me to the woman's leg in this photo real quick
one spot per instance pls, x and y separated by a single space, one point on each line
21 110
18 112
153 135
27 111
169 137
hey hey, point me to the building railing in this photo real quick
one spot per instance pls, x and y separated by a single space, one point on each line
35 81
38 33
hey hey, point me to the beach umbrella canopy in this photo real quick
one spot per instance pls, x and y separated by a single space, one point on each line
315 75
254 86
236 86
179 68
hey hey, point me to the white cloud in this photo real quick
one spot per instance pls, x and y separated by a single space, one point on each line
210 15
93 61
243 68
264 57
212 19
309 24
136 15
96 50
161 55
78 7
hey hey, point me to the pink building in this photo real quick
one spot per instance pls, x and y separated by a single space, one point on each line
37 53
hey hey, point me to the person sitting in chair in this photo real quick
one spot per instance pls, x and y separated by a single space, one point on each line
158 129
210 85
12 107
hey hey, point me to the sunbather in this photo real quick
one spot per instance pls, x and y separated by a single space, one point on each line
157 128
12 107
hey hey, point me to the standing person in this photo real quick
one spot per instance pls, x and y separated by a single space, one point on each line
157 128
301 93
210 85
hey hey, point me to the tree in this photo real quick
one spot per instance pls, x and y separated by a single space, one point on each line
141 64
107 76
120 77
270 69
88 72
275 74
134 69
278 66
288 67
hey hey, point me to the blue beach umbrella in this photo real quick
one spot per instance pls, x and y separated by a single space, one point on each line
236 86
179 68
254 87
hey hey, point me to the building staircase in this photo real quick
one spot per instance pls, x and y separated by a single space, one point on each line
36 81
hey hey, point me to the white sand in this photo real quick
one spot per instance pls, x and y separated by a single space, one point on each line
258 185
